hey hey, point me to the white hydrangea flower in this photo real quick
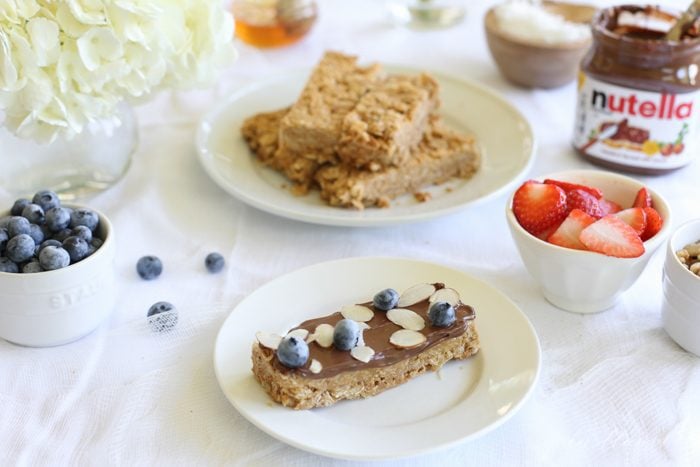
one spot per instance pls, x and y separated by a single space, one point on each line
65 64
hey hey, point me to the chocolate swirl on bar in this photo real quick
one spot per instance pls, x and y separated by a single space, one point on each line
335 361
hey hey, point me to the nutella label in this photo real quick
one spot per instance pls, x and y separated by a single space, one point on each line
636 128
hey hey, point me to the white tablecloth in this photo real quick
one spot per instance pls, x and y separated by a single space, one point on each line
614 388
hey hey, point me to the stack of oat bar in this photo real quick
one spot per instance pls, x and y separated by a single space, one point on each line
361 136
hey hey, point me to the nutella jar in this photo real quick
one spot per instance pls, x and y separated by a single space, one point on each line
639 93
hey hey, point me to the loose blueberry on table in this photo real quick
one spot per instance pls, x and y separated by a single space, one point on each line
41 235
149 267
214 262
162 316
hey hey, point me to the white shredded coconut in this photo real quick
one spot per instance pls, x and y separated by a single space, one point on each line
531 22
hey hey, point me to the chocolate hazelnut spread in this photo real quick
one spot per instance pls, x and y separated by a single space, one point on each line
377 336
639 93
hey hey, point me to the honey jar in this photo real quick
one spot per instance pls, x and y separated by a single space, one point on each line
273 23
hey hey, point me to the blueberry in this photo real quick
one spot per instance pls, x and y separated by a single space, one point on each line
162 316
46 199
53 257
386 299
293 352
149 267
20 248
50 242
32 267
36 233
346 334
7 265
33 213
83 232
91 250
214 262
441 314
76 247
96 242
18 225
4 237
19 206
57 219
5 221
84 217
62 234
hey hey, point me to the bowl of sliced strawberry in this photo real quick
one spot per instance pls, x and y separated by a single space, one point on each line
586 235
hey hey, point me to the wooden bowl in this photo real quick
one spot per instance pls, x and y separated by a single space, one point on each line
535 65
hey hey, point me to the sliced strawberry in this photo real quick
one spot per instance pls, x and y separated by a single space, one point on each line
635 218
609 207
567 187
612 237
654 223
568 232
544 235
643 199
538 206
583 200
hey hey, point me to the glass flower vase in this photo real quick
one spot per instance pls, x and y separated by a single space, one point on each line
76 167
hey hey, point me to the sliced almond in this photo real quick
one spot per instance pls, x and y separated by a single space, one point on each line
362 353
300 333
324 335
315 367
357 313
415 294
405 338
363 326
448 295
407 319
268 339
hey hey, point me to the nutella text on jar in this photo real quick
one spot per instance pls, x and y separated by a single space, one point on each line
638 103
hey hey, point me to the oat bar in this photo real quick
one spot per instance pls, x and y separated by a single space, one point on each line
311 128
261 132
388 122
442 154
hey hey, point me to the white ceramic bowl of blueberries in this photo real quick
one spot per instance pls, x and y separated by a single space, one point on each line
56 271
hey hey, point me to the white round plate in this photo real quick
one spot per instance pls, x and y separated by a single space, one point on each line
465 399
504 136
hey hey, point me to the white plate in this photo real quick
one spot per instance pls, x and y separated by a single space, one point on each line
504 136
463 400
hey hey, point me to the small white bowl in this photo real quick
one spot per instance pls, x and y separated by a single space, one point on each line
585 281
680 311
56 307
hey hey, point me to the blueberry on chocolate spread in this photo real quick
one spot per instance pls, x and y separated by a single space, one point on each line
386 299
346 334
292 352
441 314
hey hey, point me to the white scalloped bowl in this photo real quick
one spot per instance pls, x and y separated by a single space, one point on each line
585 281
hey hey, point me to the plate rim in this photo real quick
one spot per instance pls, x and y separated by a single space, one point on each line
205 124
407 453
